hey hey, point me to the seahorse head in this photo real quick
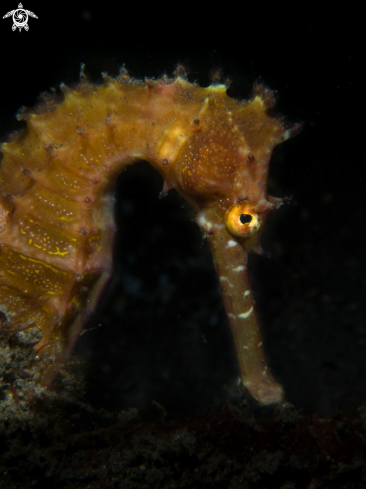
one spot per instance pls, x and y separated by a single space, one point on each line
222 167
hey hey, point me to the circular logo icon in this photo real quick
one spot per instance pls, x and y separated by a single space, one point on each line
20 19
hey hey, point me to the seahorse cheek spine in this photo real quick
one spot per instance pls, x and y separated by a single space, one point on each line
56 203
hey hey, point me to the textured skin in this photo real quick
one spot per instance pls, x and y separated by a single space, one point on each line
56 202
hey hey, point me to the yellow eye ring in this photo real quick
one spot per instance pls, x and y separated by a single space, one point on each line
243 219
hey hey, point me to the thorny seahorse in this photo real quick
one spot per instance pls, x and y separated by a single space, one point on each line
56 203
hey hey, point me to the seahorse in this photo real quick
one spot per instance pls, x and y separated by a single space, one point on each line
56 203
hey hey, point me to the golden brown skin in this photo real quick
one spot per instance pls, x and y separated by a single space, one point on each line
56 202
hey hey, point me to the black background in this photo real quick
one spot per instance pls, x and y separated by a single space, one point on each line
163 333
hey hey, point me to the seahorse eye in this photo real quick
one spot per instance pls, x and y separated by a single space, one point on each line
243 219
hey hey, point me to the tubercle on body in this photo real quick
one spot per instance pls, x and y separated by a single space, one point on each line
56 202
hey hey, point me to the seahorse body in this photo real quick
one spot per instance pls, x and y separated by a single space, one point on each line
56 202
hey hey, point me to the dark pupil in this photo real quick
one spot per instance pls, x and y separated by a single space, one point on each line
245 218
